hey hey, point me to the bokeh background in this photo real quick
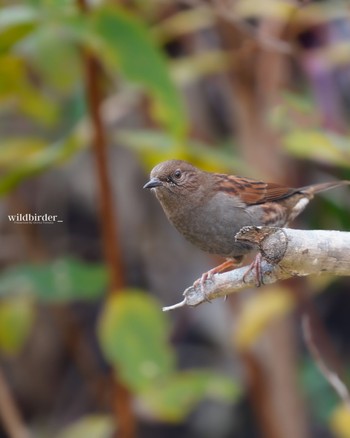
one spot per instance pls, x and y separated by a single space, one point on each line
93 94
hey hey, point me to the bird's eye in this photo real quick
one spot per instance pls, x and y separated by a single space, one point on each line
177 173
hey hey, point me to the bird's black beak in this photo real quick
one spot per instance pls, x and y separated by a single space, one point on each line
154 182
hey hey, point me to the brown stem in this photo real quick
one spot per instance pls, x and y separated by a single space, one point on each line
9 414
122 399
99 143
258 393
97 384
256 81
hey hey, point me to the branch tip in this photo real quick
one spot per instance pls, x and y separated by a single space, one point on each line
175 306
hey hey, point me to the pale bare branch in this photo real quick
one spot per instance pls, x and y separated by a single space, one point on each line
285 253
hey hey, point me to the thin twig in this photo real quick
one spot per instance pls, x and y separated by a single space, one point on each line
330 375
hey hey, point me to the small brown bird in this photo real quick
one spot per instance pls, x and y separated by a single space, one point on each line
210 208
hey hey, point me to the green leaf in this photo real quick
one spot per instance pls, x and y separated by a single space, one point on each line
17 15
13 35
52 47
133 335
89 426
125 43
16 22
16 318
18 92
18 150
61 280
175 397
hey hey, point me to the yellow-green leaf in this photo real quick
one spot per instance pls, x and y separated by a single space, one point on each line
16 21
17 14
340 421
49 49
16 318
258 312
319 146
39 160
133 335
17 150
18 92
89 426
176 396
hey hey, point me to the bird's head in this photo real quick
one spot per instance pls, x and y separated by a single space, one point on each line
173 177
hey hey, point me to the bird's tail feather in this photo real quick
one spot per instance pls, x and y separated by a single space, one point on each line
315 188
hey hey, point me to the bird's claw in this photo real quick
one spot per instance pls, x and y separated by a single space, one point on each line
256 267
201 281
210 274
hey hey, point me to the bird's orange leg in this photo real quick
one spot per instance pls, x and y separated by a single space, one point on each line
228 264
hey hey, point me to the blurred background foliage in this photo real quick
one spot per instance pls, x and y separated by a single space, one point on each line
255 88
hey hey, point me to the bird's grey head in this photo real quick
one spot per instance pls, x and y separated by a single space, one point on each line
173 177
